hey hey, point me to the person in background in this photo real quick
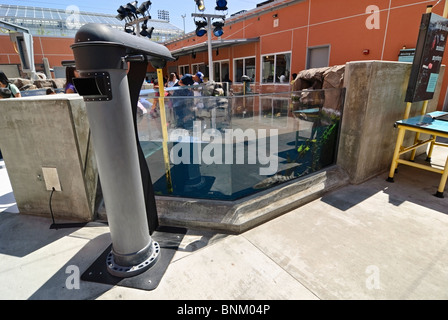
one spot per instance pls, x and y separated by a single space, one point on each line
198 78
4 83
70 73
294 76
282 78
14 92
183 108
172 80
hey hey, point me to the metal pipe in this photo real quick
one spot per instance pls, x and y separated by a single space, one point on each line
420 166
100 55
209 18
114 142
211 74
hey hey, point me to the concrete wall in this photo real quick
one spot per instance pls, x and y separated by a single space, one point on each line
49 131
374 101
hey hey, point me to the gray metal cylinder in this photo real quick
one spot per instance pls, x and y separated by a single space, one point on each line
114 142
101 55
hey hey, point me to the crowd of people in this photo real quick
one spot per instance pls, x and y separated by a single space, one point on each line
177 86
182 85
10 90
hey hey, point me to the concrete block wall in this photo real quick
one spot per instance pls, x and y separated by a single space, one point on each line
375 99
49 132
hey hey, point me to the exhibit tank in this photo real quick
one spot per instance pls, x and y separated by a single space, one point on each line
228 147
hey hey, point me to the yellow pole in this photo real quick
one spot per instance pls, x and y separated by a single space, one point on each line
164 130
408 110
417 135
443 180
396 156
445 10
424 107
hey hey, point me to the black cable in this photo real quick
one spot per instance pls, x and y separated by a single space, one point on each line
51 210
56 226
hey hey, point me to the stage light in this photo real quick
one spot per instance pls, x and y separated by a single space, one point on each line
200 4
201 27
217 31
221 5
122 13
145 32
129 29
131 7
144 7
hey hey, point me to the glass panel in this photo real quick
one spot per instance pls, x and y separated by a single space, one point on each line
217 71
250 68
29 13
39 13
225 72
63 16
20 13
184 70
239 71
12 12
47 15
203 68
228 147
282 71
268 69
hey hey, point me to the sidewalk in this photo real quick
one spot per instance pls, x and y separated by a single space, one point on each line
377 240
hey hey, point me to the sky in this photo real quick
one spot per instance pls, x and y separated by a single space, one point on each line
176 8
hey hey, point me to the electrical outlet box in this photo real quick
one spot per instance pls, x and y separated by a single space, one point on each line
51 179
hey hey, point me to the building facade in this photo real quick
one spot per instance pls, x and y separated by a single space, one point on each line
283 37
268 43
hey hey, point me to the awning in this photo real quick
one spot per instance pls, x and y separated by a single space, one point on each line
203 46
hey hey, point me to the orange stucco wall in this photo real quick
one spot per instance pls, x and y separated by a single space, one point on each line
289 26
54 49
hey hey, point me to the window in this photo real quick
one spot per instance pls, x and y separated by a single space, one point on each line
245 66
318 57
221 71
184 69
199 67
276 68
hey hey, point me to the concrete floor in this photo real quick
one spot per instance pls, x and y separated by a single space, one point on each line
376 240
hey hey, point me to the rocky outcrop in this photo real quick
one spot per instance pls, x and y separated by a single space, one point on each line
320 78
313 89
27 84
